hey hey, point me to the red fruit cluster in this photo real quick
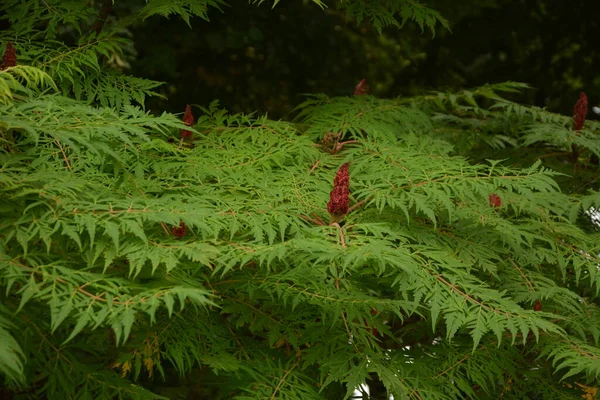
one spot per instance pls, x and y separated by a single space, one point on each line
188 119
361 88
372 330
339 196
10 57
495 200
179 231
580 111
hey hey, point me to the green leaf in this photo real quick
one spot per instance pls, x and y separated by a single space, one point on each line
64 310
82 322
112 230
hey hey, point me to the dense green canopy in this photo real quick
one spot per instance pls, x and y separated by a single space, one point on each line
287 199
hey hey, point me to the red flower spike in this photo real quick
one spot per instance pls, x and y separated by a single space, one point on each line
537 306
361 88
179 231
495 200
10 57
580 111
339 196
188 119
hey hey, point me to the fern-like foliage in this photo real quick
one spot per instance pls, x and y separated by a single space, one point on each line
483 117
16 81
392 13
53 15
266 288
12 356
186 9
382 14
129 259
79 72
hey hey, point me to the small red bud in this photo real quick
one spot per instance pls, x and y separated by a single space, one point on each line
580 111
495 200
537 306
361 88
374 311
179 231
10 57
188 119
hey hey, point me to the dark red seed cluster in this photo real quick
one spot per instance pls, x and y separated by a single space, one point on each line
339 196
331 138
495 200
537 306
188 119
371 329
10 57
580 111
179 231
361 88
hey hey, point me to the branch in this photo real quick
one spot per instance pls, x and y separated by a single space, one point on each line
99 24
64 155
283 378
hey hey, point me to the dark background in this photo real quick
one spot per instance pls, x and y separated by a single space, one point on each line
258 58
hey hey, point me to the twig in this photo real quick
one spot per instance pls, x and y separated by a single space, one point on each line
316 220
467 296
315 165
527 281
444 372
99 24
283 378
64 155
238 342
357 205
165 229
350 336
341 231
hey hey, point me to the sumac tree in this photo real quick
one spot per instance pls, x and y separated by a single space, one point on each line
211 255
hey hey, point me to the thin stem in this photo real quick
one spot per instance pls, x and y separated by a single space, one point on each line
283 378
99 23
64 155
